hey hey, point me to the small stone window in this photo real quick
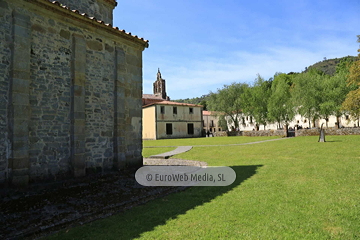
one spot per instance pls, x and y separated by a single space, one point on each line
174 110
347 117
169 129
191 110
162 109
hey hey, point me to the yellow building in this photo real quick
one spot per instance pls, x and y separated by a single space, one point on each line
168 119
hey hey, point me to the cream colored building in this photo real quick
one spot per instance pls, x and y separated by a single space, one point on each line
168 119
248 124
211 122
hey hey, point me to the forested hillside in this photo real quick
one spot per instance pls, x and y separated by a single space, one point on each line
327 66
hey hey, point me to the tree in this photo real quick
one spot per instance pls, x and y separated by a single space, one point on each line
280 106
256 101
228 101
306 94
204 104
334 91
351 103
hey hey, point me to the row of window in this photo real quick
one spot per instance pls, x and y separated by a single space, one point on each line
169 128
211 123
162 110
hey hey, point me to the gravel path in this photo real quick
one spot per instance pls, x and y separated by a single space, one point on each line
173 162
178 150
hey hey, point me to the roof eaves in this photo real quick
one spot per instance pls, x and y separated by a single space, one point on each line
122 32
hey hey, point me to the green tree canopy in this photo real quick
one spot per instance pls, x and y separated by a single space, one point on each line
256 101
280 106
228 101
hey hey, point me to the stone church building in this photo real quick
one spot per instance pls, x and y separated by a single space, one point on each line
70 91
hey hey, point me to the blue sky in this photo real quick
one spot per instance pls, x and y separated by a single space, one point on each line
201 45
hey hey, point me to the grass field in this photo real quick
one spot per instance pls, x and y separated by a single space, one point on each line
203 141
289 189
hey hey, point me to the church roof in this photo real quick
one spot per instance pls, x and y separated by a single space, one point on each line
108 26
151 96
172 103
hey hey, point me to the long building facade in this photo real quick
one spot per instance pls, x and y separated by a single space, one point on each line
299 122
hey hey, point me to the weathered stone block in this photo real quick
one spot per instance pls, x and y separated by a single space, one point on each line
20 181
48 117
79 173
20 99
21 153
21 112
79 78
20 172
38 28
65 34
4 4
109 48
79 161
20 74
20 163
79 104
20 85
94 45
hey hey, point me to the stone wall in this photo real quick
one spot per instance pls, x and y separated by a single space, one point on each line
280 133
100 9
5 68
328 131
70 94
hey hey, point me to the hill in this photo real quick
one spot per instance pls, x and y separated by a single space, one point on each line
328 66
196 100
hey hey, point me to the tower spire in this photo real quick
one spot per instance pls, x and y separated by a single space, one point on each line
159 86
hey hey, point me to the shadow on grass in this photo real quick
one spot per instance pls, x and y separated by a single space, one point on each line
141 219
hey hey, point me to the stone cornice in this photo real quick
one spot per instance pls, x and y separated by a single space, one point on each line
57 8
112 2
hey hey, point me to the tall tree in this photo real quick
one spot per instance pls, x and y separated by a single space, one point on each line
351 103
228 101
306 94
280 106
256 99
334 90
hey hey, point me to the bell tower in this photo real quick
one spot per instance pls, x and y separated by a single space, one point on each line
102 10
159 87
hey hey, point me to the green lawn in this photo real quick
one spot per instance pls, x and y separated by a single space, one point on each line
289 189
